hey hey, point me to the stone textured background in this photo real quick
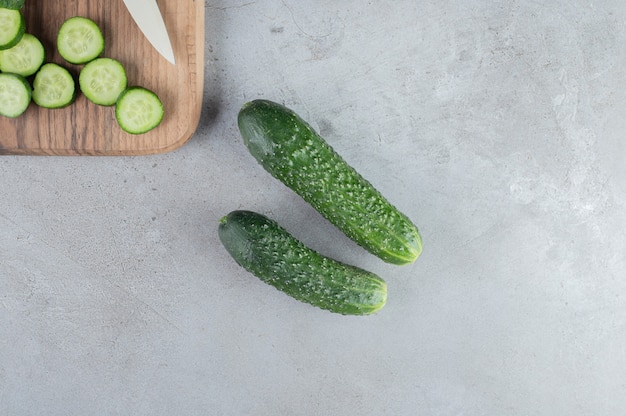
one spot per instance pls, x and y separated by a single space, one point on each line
497 126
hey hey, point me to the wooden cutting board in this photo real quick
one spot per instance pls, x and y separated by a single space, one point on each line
84 128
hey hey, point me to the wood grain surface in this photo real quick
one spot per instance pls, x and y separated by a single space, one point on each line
84 128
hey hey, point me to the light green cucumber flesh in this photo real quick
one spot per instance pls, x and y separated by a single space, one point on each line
53 87
80 40
138 110
103 80
12 27
15 95
289 149
25 58
12 4
268 251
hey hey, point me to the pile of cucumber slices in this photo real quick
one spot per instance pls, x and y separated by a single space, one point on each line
25 75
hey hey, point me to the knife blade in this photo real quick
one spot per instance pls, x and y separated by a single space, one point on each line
147 16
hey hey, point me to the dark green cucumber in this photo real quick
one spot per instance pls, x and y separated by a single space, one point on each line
289 149
12 4
264 248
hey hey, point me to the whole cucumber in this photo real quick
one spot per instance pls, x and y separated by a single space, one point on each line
290 150
262 247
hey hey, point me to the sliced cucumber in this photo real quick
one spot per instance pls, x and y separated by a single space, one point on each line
80 40
138 110
264 248
15 95
103 80
25 58
12 4
12 27
53 87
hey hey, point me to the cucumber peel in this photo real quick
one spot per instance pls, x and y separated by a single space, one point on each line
291 151
268 251
12 4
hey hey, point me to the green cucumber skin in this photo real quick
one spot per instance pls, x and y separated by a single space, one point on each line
12 4
55 71
268 251
291 151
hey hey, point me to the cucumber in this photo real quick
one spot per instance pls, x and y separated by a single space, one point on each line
138 110
290 150
103 80
25 58
80 40
12 4
12 27
53 87
265 249
15 95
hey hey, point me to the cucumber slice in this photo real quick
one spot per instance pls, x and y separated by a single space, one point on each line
103 80
12 27
80 40
53 87
12 4
15 95
25 58
138 110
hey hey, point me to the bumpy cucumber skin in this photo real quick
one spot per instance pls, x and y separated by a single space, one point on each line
12 4
265 249
290 150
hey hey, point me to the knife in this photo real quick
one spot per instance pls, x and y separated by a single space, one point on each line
147 16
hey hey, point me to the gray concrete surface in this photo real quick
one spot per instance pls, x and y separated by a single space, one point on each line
498 127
